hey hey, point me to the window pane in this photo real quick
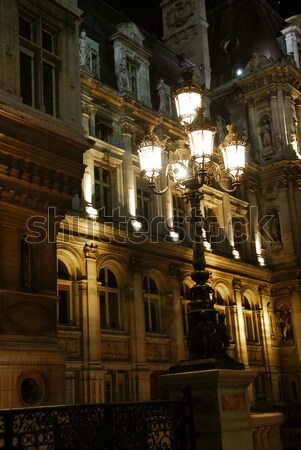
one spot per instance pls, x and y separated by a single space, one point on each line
154 316
26 79
47 41
64 304
25 28
250 335
108 388
112 282
153 287
102 303
146 315
48 88
113 310
63 271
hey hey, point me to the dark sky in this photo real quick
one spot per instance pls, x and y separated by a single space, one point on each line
148 15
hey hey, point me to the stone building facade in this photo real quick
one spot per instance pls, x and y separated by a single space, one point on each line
119 317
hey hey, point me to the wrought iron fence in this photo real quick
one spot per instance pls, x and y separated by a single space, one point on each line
154 425
291 428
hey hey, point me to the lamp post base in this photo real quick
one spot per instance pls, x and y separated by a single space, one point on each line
220 406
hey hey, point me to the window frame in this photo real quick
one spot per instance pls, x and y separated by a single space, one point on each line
107 290
150 299
40 58
105 210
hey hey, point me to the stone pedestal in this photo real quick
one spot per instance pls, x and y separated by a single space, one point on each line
220 406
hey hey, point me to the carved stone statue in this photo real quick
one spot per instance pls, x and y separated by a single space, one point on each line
84 51
163 96
265 132
275 232
286 326
123 81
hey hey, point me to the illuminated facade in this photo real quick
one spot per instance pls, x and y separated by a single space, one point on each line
123 254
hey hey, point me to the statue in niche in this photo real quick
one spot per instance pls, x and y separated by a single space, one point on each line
274 228
163 96
286 326
123 81
84 51
265 133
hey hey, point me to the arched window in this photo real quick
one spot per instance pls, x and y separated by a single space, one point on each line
222 305
109 300
64 287
152 311
250 317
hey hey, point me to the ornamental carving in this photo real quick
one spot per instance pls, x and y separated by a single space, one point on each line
136 264
263 289
179 13
91 250
174 271
237 284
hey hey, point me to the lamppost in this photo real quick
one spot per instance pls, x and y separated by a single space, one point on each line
189 168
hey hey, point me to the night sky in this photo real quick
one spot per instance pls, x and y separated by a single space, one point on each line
147 14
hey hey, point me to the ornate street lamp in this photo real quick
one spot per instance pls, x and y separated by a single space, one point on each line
189 168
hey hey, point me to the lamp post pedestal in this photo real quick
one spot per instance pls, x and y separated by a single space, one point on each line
220 406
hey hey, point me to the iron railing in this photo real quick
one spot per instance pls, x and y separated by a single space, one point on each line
290 430
154 425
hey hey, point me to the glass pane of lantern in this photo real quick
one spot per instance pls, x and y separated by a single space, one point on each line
186 104
150 160
234 159
201 144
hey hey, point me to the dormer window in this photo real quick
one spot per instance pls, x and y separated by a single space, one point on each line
131 62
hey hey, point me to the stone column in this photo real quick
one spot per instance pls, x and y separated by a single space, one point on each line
296 318
266 334
298 113
93 373
274 115
241 335
140 374
128 170
86 117
176 331
253 128
280 105
228 224
288 114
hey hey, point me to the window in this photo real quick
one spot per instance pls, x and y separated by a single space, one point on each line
109 300
239 235
179 216
64 293
116 386
103 191
185 304
70 391
102 131
151 306
108 388
250 321
143 208
38 65
214 233
132 73
94 65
